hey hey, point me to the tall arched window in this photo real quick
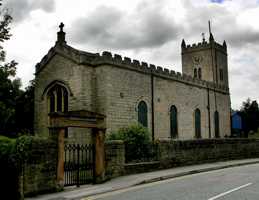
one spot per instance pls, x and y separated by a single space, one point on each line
142 113
195 73
197 115
199 73
58 99
216 124
173 122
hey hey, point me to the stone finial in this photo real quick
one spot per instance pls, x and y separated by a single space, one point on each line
61 39
61 26
211 38
183 45
224 45
203 37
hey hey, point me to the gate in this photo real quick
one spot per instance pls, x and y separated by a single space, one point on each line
79 164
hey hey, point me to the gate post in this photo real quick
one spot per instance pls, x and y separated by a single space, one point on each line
99 159
60 167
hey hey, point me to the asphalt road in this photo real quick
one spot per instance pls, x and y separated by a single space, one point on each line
237 183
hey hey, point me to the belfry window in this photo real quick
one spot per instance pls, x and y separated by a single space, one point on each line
173 122
199 73
142 113
58 99
197 122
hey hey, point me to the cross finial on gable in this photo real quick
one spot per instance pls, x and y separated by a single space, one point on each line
61 40
61 26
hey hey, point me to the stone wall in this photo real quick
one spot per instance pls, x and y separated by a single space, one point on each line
176 153
40 168
114 158
179 153
124 89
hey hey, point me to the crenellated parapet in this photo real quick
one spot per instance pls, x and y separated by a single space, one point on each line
107 58
204 46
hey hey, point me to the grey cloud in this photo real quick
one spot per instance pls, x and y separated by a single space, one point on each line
224 25
108 27
244 36
97 26
20 9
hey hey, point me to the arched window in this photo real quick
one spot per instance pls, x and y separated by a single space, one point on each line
199 73
197 115
195 73
173 122
216 124
142 113
58 99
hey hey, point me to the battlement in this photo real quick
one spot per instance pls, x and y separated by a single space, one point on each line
107 58
143 67
204 45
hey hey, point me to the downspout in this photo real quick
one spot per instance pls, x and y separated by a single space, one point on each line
208 107
152 106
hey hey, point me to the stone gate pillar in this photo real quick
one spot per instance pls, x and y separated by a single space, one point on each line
60 165
98 139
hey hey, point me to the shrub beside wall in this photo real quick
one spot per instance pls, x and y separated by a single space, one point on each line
9 169
27 166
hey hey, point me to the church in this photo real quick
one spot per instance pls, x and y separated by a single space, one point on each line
188 105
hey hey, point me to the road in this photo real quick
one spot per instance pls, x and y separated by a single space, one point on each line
237 183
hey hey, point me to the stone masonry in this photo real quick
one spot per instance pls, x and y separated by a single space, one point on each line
113 86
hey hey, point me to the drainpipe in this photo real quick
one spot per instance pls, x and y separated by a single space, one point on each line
208 107
152 106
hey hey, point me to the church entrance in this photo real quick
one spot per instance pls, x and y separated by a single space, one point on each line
78 164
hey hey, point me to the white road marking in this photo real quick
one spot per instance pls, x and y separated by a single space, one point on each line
227 192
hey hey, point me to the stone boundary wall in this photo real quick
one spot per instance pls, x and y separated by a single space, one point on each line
106 58
179 153
114 158
39 172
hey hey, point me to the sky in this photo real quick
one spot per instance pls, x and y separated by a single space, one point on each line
147 30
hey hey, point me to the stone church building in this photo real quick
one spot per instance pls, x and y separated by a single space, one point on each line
187 105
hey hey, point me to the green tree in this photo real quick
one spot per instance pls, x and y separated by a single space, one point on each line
250 116
9 86
24 110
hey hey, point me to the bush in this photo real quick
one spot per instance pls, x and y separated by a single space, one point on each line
138 146
9 170
7 148
133 135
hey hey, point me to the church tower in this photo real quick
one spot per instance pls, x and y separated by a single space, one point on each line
206 60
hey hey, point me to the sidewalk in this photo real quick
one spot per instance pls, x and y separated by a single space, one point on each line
136 179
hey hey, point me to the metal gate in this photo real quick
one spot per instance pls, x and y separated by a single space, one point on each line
79 164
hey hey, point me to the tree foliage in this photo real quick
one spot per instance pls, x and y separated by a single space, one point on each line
16 106
133 135
250 116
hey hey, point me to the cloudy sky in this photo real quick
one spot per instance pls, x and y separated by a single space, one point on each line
148 30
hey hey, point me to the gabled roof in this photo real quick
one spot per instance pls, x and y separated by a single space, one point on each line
77 56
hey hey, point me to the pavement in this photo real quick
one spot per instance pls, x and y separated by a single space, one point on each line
128 181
